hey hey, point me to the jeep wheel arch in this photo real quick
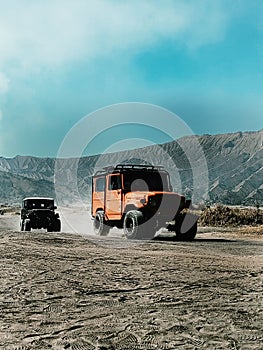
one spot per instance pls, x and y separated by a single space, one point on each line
129 208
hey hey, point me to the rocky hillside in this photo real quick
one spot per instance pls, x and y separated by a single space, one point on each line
234 163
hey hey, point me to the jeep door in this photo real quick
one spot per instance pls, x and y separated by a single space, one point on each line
114 197
98 194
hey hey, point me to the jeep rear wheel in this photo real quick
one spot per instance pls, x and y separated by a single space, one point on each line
132 224
99 226
186 228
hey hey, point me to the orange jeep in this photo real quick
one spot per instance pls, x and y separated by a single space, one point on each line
139 199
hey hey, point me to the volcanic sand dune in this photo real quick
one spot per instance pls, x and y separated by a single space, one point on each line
71 291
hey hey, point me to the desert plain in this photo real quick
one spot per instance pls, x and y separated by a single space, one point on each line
73 290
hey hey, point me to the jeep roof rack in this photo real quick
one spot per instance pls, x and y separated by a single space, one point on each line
37 198
117 167
138 166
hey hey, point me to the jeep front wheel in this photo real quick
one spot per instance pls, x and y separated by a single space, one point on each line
99 226
57 225
27 226
186 227
132 224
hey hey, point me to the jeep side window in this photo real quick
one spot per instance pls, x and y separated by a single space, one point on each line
100 184
114 183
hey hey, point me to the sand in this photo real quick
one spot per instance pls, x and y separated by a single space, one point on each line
77 291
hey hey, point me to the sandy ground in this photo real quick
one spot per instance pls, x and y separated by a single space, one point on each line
78 291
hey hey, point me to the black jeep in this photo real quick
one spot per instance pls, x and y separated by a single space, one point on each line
39 213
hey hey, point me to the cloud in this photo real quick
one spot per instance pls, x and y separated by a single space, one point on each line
4 83
55 32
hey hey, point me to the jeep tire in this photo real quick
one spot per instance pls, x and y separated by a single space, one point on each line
57 226
186 227
54 226
132 224
99 226
27 226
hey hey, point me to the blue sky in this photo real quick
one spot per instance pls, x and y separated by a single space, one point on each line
62 60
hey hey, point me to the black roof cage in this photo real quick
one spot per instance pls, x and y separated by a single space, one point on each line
140 167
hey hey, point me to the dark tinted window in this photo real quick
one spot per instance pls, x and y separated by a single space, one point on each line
38 204
114 182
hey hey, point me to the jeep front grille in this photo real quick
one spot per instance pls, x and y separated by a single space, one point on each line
166 204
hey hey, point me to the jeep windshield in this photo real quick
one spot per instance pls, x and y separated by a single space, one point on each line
39 204
146 181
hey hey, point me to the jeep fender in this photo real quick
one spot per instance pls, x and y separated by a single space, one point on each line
128 208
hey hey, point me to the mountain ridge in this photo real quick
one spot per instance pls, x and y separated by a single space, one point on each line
234 162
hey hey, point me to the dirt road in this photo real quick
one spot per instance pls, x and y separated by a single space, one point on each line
69 291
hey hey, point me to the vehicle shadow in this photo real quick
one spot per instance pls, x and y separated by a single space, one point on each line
174 239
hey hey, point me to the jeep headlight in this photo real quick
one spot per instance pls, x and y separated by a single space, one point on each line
143 201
